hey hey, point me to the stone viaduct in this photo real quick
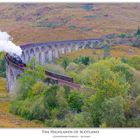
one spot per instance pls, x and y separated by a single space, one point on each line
45 53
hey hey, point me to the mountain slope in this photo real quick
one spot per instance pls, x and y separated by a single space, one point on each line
49 22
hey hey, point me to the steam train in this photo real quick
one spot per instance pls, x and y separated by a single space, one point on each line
58 76
16 60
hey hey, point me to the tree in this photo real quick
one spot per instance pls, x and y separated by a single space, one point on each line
101 77
138 31
75 101
33 73
137 41
62 103
113 112
108 80
86 60
106 51
65 63
37 108
93 106
57 106
50 100
124 70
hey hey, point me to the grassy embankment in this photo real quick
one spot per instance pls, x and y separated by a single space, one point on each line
8 120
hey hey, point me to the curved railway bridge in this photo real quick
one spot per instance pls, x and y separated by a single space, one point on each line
51 76
46 53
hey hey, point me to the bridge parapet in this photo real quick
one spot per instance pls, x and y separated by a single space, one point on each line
49 51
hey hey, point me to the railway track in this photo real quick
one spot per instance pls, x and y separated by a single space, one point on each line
58 78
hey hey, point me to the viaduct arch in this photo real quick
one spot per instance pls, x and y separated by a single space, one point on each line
45 53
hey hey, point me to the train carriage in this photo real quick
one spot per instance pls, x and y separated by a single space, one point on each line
58 76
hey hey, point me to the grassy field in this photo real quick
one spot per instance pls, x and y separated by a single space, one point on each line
116 51
8 120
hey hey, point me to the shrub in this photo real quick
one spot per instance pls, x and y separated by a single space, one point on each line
93 106
106 51
133 122
57 23
33 73
38 110
125 71
132 111
124 59
75 101
57 113
54 24
125 35
30 108
15 107
134 62
38 88
88 7
72 67
22 108
25 109
102 79
137 42
65 63
113 112
75 76
86 60
67 90
138 31
135 88
56 123
50 100
138 101
108 79
78 120
137 36
62 103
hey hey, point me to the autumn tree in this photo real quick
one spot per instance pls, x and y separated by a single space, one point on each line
33 73
113 112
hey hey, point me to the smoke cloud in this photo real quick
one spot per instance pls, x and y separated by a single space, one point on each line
6 45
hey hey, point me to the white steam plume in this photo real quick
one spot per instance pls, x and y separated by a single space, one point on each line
7 45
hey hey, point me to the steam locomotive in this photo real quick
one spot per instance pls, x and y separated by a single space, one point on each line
16 60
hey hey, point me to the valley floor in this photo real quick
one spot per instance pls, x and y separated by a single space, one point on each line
8 120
